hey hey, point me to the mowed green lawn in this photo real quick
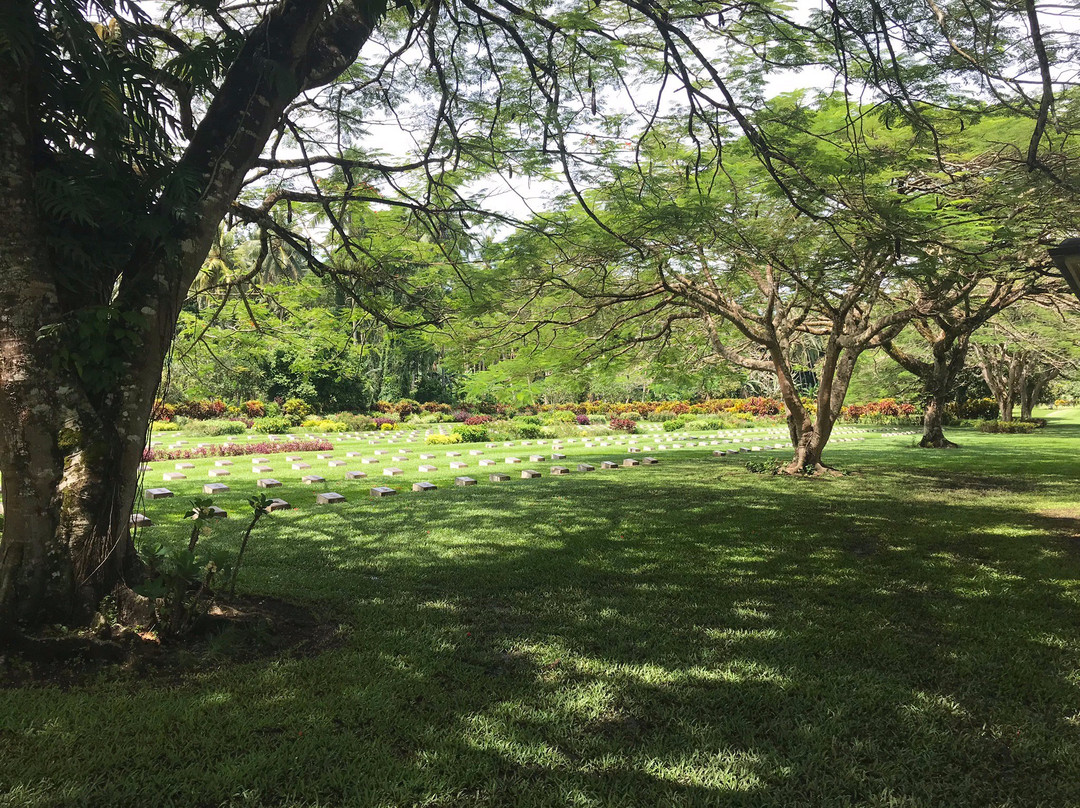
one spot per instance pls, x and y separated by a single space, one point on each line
685 634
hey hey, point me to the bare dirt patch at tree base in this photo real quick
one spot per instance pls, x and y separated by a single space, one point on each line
236 631
816 470
943 443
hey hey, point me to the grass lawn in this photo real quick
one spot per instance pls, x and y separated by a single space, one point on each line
684 634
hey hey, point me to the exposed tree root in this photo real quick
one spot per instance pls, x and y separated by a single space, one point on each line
941 442
809 470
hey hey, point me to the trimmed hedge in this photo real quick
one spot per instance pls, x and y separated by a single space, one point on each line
1006 427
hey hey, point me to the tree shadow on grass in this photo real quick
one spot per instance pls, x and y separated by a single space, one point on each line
730 640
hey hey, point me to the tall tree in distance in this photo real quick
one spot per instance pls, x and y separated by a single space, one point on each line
1024 349
945 337
848 267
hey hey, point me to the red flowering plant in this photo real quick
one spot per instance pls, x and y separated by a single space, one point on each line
163 411
201 410
877 410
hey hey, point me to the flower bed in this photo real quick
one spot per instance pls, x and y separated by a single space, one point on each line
237 450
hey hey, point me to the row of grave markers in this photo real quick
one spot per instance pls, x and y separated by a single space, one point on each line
381 491
332 497
221 465
298 464
412 437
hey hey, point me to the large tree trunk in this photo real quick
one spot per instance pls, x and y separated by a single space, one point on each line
933 421
808 451
1027 401
69 456
72 432
1006 406
811 432
36 568
70 439
69 470
1002 374
1031 391
68 504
